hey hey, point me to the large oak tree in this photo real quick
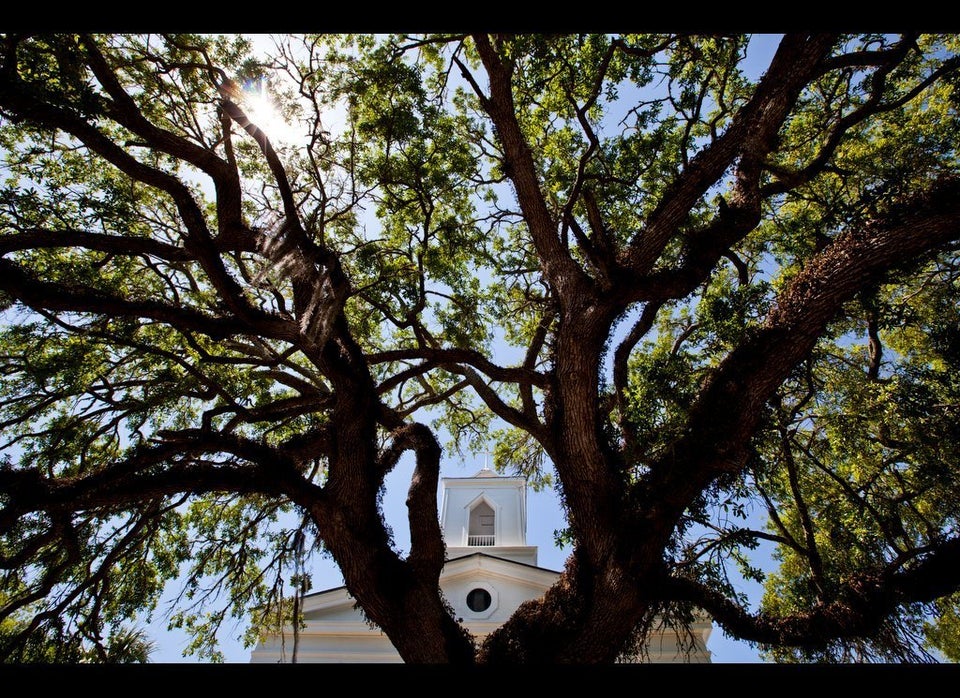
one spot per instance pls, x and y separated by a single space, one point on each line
708 292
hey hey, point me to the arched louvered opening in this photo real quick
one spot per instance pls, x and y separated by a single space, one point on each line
482 526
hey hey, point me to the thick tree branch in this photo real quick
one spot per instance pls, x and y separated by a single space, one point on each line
125 111
790 179
43 238
49 295
864 602
559 267
137 477
750 136
730 405
15 98
426 540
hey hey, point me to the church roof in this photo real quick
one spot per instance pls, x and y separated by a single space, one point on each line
456 562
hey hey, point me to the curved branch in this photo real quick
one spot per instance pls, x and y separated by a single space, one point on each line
433 398
621 358
426 540
528 422
237 114
858 609
860 59
450 358
738 536
566 216
529 361
810 551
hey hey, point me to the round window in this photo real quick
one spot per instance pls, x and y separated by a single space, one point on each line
478 600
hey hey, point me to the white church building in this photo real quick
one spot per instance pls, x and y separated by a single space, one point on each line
490 571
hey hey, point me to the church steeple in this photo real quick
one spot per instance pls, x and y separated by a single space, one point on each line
486 513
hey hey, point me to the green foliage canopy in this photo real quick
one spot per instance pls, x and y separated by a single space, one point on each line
706 290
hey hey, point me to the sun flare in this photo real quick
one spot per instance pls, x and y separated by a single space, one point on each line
261 108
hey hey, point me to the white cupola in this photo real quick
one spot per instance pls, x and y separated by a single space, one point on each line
486 513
